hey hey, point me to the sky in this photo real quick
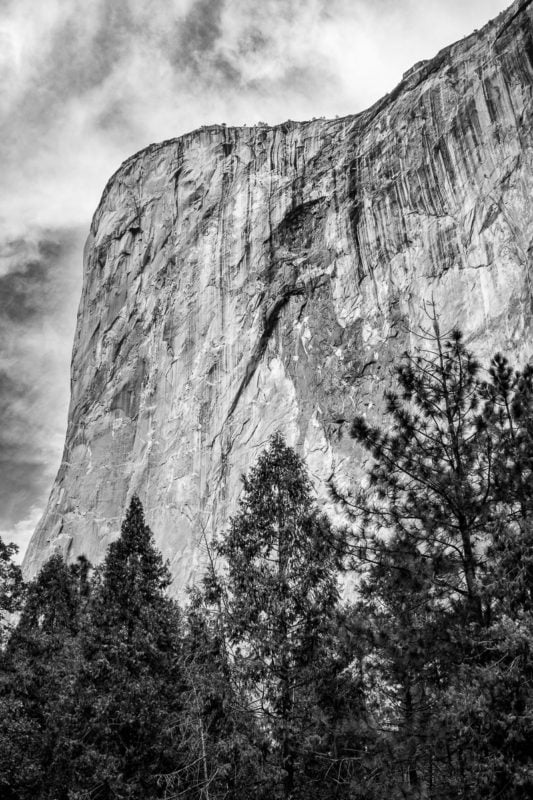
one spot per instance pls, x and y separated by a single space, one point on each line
86 83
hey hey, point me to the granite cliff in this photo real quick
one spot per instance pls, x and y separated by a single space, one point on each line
243 280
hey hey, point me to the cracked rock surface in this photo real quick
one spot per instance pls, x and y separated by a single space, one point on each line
238 281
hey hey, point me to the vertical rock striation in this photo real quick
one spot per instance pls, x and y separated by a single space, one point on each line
243 280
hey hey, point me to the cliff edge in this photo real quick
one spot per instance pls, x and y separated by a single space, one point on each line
243 280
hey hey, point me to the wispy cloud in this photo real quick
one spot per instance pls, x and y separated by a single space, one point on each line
38 289
21 532
85 84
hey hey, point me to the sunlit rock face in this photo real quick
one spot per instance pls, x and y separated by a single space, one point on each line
244 280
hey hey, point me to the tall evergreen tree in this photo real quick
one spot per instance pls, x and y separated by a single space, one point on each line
412 644
279 598
446 538
11 588
432 471
508 414
125 734
13 734
225 745
494 697
39 667
423 528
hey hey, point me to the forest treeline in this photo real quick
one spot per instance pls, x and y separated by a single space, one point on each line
268 683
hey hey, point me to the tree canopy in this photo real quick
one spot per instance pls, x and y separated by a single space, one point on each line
268 683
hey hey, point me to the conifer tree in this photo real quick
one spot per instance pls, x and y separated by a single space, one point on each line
225 745
39 667
125 730
508 414
11 587
279 598
12 741
493 697
423 525
446 538
408 664
432 471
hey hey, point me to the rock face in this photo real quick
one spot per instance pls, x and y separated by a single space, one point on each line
243 280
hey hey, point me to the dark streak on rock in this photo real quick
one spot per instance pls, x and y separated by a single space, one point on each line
270 322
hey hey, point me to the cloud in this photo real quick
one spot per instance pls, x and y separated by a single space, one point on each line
22 531
85 84
38 296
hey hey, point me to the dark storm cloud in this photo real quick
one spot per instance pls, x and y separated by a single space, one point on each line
37 275
23 293
197 34
84 83
23 476
78 62
21 483
205 51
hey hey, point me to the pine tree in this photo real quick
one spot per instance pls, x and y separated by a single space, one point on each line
225 745
446 538
279 598
408 665
493 698
125 731
432 471
423 531
11 588
39 668
508 413
13 735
